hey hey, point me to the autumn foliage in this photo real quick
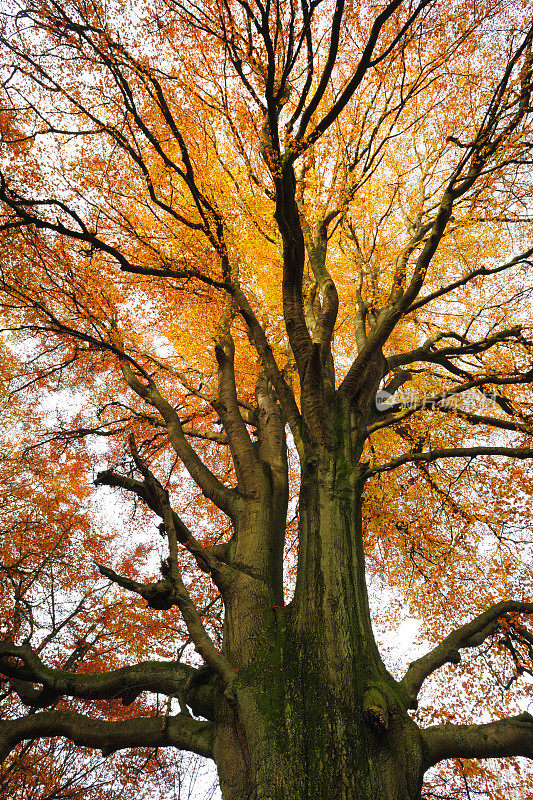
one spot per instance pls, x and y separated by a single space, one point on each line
266 291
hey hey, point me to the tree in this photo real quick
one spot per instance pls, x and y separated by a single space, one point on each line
335 196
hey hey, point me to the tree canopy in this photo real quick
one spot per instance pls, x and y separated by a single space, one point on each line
267 365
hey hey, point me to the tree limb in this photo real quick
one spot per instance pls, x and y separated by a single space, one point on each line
242 449
427 353
126 683
472 634
143 490
511 736
467 171
178 731
160 595
171 591
452 452
522 258
283 391
212 488
482 419
364 64
397 413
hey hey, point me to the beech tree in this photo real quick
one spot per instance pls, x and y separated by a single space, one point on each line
271 259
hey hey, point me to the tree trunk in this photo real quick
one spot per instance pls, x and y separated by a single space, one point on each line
314 712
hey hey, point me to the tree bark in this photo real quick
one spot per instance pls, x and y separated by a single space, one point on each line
313 712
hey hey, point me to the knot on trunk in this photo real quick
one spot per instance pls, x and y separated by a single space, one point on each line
375 710
160 596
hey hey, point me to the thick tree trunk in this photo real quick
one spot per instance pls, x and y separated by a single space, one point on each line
314 712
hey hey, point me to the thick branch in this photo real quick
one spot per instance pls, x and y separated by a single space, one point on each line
171 590
488 140
201 639
152 498
355 376
208 436
179 731
336 22
427 352
317 250
452 452
472 634
287 216
511 736
212 488
283 391
271 431
227 406
23 667
177 274
364 64
160 595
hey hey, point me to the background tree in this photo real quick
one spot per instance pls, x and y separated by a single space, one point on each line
271 262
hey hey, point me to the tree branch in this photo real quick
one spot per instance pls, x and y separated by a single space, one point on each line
178 731
317 249
472 634
452 452
482 419
171 591
146 492
428 354
522 258
177 274
287 216
208 436
511 736
126 683
398 413
283 391
212 488
160 595
336 22
364 64
467 171
227 406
